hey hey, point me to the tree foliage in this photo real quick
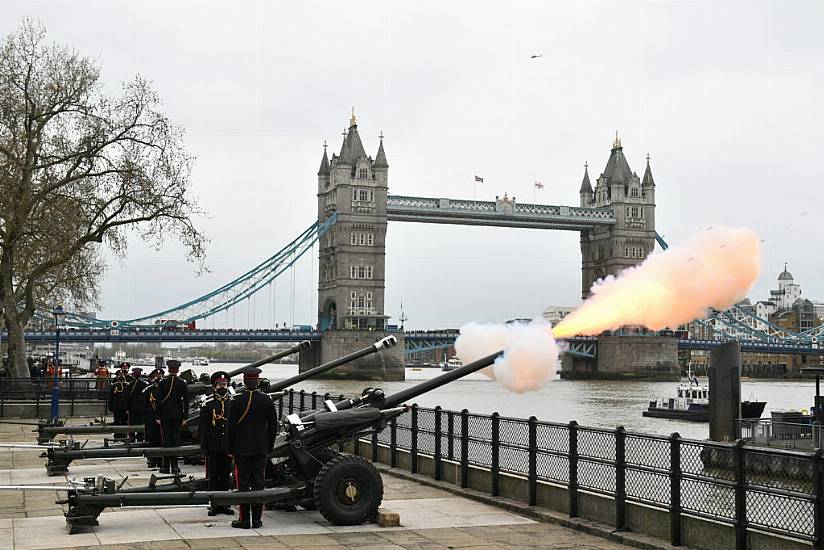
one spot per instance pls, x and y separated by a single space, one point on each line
79 170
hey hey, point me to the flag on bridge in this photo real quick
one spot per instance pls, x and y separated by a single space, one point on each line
539 185
478 179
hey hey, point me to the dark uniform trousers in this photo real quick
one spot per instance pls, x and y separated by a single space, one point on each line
249 476
170 432
218 470
153 436
136 419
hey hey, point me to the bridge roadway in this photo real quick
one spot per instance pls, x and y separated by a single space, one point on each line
415 341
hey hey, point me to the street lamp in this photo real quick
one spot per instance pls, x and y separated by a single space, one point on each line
59 316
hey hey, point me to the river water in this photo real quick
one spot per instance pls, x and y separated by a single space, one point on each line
598 403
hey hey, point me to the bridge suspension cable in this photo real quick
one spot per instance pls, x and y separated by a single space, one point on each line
228 295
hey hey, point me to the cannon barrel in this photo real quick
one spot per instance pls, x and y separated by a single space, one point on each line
384 343
419 389
302 346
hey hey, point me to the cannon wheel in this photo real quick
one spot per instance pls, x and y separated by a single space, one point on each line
323 455
348 490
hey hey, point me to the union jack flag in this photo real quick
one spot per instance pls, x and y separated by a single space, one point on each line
539 185
478 179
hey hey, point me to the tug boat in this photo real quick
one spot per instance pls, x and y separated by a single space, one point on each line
451 364
692 402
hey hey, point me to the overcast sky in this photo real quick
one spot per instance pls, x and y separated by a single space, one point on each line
726 97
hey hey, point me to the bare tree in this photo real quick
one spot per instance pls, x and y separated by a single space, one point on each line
79 170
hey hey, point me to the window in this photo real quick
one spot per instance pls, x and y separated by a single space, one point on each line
360 272
363 173
362 239
633 192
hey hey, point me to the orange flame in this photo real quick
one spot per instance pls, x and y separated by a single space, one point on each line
715 268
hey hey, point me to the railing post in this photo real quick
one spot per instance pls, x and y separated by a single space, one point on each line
620 478
450 435
302 401
818 504
314 400
532 477
413 451
573 469
740 496
464 448
675 489
393 442
291 401
438 435
496 454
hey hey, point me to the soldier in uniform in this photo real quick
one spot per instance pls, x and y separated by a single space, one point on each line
173 410
213 418
251 432
119 403
150 416
135 391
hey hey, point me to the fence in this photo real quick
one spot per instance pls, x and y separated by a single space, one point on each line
769 490
37 392
784 435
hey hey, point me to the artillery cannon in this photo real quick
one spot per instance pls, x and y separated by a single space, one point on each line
58 459
347 490
47 430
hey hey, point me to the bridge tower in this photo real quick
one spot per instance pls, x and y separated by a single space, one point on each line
352 258
606 250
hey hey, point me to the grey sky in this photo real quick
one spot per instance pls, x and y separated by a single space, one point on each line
724 96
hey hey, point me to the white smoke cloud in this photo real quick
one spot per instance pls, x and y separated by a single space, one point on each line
530 352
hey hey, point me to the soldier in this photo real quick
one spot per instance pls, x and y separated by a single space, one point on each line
150 416
173 410
119 403
135 391
251 432
213 417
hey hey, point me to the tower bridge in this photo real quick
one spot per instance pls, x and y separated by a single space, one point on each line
615 221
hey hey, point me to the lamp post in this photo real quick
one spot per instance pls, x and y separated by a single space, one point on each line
59 316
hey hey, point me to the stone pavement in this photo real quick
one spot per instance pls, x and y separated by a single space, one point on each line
430 518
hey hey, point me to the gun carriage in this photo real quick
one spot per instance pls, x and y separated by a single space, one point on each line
345 489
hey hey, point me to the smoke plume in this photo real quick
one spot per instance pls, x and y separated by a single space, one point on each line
715 268
529 357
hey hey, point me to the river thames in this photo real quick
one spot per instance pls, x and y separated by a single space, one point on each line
599 403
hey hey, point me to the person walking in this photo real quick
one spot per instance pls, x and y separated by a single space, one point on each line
251 432
213 419
173 407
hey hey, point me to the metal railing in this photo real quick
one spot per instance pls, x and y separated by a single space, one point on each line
784 435
746 487
37 391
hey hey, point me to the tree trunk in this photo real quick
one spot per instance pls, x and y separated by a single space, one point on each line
18 366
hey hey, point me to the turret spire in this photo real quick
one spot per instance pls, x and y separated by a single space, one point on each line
648 180
324 162
586 186
380 158
616 143
353 121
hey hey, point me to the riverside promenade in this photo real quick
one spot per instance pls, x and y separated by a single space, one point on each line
431 518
